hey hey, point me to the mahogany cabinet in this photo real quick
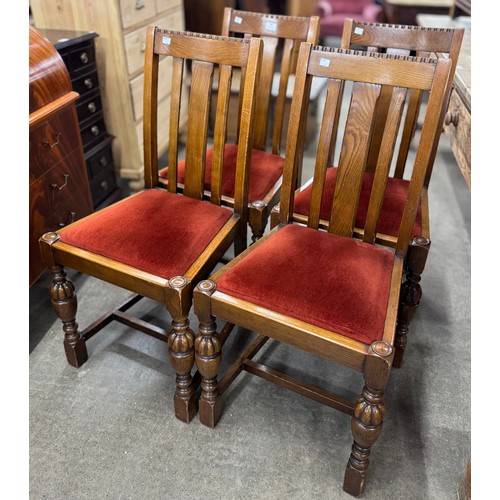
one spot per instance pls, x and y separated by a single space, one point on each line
59 191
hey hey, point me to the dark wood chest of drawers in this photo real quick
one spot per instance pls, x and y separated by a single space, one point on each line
77 49
59 190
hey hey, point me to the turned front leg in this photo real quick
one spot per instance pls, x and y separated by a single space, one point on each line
208 355
368 416
181 350
410 295
64 303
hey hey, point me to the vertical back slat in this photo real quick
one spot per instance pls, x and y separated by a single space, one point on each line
264 91
279 107
196 144
353 157
175 109
333 94
150 122
410 123
387 145
223 96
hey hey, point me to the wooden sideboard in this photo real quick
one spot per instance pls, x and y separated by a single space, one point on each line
121 25
457 124
406 11
59 191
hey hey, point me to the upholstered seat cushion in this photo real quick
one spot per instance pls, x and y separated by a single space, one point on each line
392 208
265 170
330 281
156 231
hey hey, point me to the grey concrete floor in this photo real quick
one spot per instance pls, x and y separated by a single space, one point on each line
107 430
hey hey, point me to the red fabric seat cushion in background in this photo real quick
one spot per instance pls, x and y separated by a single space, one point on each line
155 231
265 170
392 207
330 281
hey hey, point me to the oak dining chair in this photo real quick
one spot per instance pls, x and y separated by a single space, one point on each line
281 37
397 40
321 290
158 243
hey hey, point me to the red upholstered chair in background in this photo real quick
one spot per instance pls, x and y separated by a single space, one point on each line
333 12
324 291
281 36
158 243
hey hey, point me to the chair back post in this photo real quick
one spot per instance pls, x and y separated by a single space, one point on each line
150 103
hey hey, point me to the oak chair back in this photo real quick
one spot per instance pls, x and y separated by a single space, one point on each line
403 40
405 74
281 36
221 54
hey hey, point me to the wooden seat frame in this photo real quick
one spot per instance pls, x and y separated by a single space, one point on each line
399 40
206 52
370 72
271 29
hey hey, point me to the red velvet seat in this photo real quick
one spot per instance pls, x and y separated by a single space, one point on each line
392 208
178 230
265 170
330 281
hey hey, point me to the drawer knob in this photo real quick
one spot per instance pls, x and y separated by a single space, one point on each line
94 130
139 4
91 107
84 57
88 83
55 186
47 145
103 161
104 185
451 117
71 219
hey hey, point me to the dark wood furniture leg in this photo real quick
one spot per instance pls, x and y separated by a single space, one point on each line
208 355
64 303
368 416
181 350
411 293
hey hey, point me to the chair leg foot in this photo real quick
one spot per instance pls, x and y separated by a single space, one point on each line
355 472
64 303
210 412
185 408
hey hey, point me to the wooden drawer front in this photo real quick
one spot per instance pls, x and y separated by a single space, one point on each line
137 87
102 186
136 11
135 46
81 58
100 159
162 5
65 187
458 126
85 84
93 133
135 41
52 141
89 107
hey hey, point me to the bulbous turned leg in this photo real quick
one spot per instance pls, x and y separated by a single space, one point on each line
207 355
257 215
64 303
368 416
181 351
410 295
